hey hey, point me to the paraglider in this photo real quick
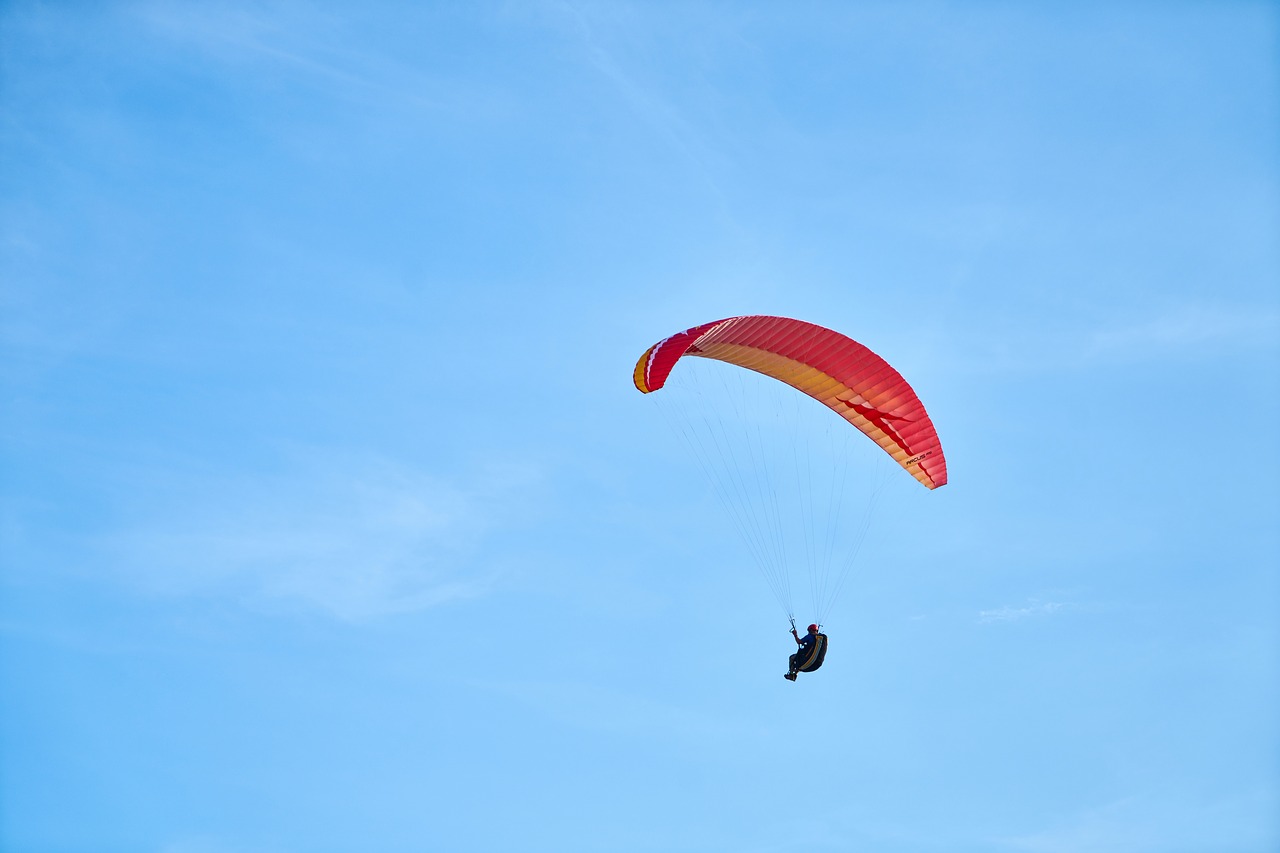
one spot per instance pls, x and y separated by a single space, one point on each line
847 378
810 655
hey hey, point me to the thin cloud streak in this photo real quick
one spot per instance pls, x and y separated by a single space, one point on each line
654 107
1195 333
231 31
1032 608
319 48
354 540
1156 820
1190 327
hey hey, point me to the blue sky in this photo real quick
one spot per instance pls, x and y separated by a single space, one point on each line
332 521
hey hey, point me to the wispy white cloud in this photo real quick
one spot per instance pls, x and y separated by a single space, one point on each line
644 100
1159 820
317 45
353 538
1101 828
232 31
1191 332
621 62
1184 329
1033 607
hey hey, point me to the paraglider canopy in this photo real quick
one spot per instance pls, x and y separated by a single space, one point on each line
837 371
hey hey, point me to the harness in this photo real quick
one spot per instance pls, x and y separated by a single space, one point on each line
816 655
